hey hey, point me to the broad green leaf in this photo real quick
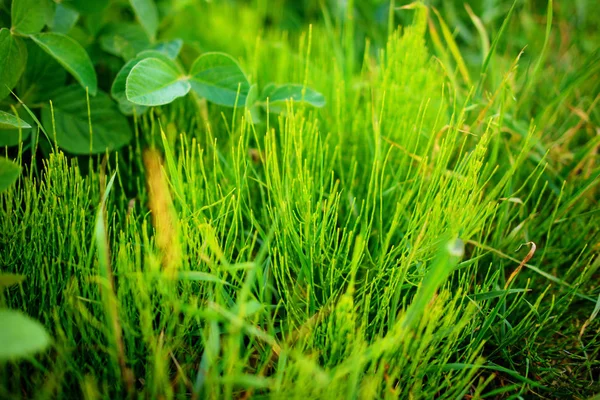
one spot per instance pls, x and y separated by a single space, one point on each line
8 280
252 96
110 129
43 75
163 56
64 19
119 85
28 16
50 10
13 58
123 40
13 136
9 173
21 336
154 82
147 14
170 48
219 78
86 6
128 108
251 106
70 55
278 95
9 121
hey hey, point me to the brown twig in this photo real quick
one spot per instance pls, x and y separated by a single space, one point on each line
164 219
522 264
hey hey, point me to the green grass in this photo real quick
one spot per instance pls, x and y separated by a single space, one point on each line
375 248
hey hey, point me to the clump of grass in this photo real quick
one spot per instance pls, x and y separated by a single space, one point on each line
366 250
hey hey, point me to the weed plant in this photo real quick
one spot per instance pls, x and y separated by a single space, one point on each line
432 232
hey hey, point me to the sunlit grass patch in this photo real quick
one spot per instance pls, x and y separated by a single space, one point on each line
421 235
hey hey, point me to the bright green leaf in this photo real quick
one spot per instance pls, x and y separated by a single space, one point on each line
119 85
9 121
70 55
13 58
278 95
21 336
110 129
9 173
251 106
28 16
64 19
154 82
50 10
8 280
252 96
11 136
123 40
170 48
147 14
220 79
128 108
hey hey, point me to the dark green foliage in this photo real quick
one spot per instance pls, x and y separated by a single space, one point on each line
87 37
